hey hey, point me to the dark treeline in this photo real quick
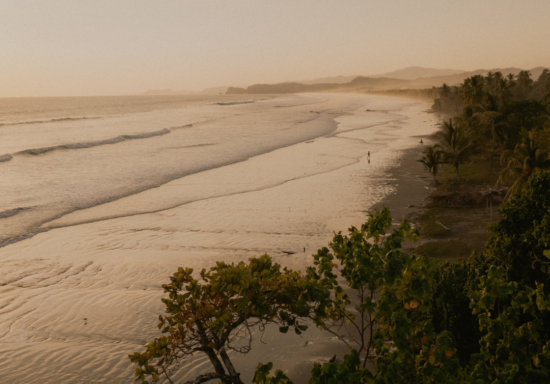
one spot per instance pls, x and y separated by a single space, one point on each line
494 115
494 90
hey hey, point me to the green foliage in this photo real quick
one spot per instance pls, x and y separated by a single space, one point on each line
526 158
515 347
208 316
431 160
349 371
402 305
262 375
369 261
471 90
449 100
491 109
454 144
452 284
527 114
519 239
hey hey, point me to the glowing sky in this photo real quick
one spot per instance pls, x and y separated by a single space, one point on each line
104 47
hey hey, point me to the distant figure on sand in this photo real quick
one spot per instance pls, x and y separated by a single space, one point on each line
368 157
421 142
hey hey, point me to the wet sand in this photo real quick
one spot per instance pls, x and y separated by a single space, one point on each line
77 299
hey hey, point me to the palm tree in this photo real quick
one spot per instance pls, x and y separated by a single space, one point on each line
490 79
546 97
431 161
523 85
454 144
498 77
526 159
445 91
488 113
472 89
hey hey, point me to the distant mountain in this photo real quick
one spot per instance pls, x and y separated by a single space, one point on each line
413 73
410 73
377 83
166 92
330 80
357 84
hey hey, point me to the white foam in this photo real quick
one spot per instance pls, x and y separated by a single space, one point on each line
236 102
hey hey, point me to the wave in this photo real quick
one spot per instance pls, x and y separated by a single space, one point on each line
182 126
147 135
88 144
50 121
11 212
236 102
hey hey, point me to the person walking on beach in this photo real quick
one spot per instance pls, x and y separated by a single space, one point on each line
368 156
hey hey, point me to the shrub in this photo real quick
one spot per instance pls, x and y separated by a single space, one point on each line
210 315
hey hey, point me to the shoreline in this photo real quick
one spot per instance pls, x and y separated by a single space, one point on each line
414 186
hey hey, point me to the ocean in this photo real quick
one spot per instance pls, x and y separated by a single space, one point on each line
65 154
102 198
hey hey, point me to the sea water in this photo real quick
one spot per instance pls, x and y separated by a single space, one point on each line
65 154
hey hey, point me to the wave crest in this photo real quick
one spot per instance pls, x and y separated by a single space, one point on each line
61 119
11 212
236 102
88 144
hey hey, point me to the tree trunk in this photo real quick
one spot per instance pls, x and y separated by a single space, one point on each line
207 350
493 130
216 363
229 366
458 173
493 146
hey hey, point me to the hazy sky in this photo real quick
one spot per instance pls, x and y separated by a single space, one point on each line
103 47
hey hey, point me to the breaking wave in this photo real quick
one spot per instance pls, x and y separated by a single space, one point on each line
11 212
236 102
88 144
50 121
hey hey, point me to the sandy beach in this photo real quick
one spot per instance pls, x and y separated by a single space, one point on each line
84 292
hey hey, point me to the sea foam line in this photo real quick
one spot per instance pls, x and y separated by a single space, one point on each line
89 144
61 119
236 102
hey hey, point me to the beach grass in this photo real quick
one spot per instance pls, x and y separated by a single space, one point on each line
452 234
479 170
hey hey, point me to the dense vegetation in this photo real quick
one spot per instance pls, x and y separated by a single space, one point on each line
499 116
486 320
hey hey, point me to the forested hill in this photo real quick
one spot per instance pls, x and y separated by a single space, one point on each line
359 83
362 83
